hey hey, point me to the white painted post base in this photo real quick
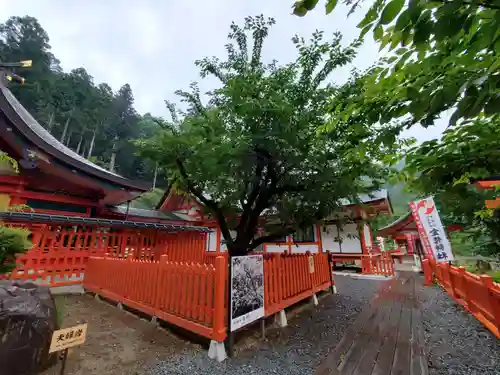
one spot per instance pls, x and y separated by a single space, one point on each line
314 299
334 287
120 306
280 319
96 297
217 351
154 320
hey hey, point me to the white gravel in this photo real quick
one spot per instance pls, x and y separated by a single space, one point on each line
458 344
296 349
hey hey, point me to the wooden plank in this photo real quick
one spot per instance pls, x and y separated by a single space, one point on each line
367 360
418 357
401 364
386 338
335 357
386 353
362 342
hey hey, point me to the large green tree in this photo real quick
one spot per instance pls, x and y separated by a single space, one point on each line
446 55
446 168
253 148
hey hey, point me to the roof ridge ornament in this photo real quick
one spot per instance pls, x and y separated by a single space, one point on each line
6 75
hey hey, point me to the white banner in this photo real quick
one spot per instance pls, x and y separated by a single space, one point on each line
247 290
431 228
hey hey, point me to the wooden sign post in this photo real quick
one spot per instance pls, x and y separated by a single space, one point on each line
311 264
66 338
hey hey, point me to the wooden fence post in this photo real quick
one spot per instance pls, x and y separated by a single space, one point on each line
426 267
494 310
217 350
219 305
333 288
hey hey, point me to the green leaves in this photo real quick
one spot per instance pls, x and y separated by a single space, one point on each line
330 5
446 169
493 106
449 45
303 6
390 11
264 143
378 32
403 20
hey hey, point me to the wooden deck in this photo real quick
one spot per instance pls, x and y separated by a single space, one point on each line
386 338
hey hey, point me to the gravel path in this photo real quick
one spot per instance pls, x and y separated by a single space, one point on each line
296 349
458 344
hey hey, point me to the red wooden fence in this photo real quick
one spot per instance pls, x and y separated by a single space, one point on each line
477 294
191 295
288 280
378 264
60 253
188 295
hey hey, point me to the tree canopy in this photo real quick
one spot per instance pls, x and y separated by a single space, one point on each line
446 168
445 54
440 56
254 147
88 117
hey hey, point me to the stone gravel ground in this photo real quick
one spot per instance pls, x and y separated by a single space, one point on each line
296 349
457 343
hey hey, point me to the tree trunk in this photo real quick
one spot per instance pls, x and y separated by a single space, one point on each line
155 175
112 162
51 122
65 130
70 133
92 141
84 149
79 144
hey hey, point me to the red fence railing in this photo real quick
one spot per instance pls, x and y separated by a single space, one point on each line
288 279
477 294
189 295
60 253
378 264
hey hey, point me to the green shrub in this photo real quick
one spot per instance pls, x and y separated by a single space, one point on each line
12 241
495 275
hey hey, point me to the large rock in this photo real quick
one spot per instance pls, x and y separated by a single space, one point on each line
28 317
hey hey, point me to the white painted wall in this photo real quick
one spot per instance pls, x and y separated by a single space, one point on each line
299 248
328 234
368 235
212 241
223 246
276 248
351 243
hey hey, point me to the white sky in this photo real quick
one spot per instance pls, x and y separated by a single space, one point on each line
152 44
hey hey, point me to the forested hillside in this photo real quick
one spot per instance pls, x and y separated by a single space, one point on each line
87 116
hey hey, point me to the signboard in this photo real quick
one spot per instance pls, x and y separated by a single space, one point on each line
311 264
68 337
431 230
247 290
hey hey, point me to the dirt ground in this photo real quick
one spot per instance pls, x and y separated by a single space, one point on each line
118 342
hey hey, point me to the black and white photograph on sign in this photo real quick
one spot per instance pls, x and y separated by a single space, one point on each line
247 290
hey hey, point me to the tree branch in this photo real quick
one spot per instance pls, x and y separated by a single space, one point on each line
271 237
208 202
262 158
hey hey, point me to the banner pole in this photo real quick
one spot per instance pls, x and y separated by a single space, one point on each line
330 266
